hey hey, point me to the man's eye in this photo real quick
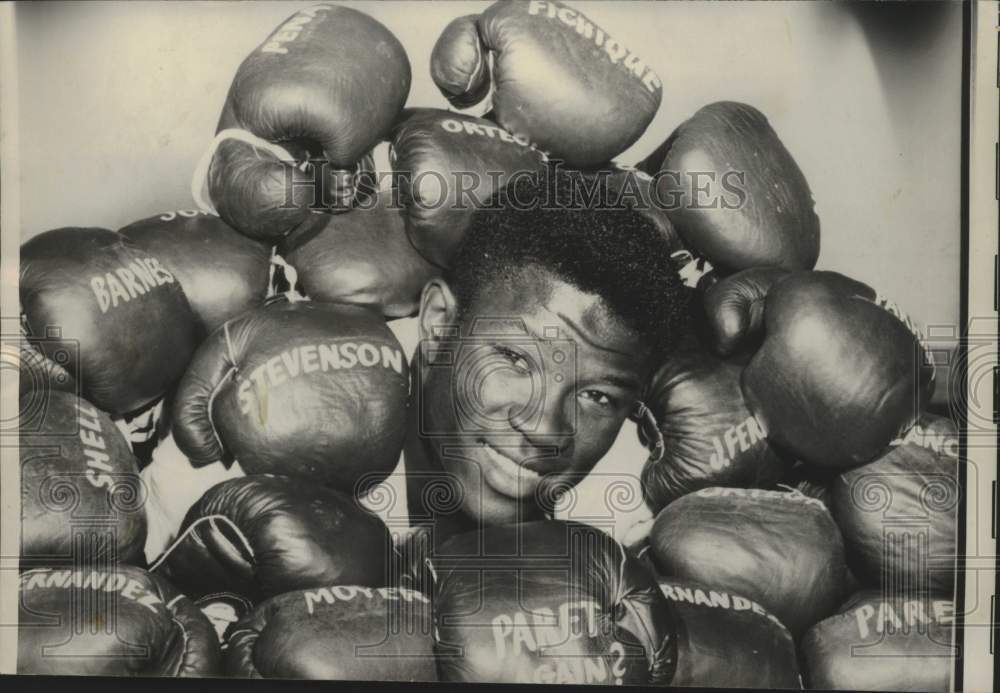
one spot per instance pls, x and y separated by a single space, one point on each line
599 398
515 358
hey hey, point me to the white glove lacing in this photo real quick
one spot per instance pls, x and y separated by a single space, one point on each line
211 519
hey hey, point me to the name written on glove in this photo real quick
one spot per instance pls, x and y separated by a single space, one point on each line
95 580
935 441
484 130
715 599
346 593
613 49
740 437
94 446
126 283
315 358
883 616
290 30
514 636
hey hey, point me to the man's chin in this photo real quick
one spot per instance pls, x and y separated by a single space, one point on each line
515 489
499 491
491 506
503 511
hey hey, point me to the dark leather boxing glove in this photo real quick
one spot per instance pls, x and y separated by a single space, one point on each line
93 293
326 86
337 632
362 257
81 495
840 373
262 535
734 307
548 602
412 551
782 550
117 622
303 389
815 482
38 377
734 192
876 643
899 514
222 272
725 640
709 436
37 374
558 78
445 165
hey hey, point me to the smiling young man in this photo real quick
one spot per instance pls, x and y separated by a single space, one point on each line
535 348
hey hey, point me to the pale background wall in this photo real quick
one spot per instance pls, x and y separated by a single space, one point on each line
118 100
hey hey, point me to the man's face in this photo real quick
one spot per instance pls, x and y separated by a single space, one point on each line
526 392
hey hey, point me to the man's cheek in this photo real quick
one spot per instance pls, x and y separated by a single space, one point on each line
490 387
594 437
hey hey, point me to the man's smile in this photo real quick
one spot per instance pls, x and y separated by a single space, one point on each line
505 474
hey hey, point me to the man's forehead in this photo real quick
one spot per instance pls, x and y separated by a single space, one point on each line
541 305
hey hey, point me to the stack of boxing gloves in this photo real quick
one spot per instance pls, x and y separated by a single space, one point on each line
795 472
785 436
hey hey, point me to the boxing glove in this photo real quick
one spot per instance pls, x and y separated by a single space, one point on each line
122 621
782 550
81 495
363 257
222 272
558 79
37 374
303 111
92 293
337 632
815 482
883 643
262 535
304 389
548 602
708 434
899 514
734 192
728 641
840 372
446 165
412 551
734 307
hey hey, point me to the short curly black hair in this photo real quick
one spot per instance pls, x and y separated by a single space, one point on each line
601 246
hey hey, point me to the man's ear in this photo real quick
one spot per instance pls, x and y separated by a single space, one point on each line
438 316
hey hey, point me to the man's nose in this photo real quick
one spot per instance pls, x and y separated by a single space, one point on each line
539 406
547 418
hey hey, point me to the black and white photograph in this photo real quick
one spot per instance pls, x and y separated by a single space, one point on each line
519 342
